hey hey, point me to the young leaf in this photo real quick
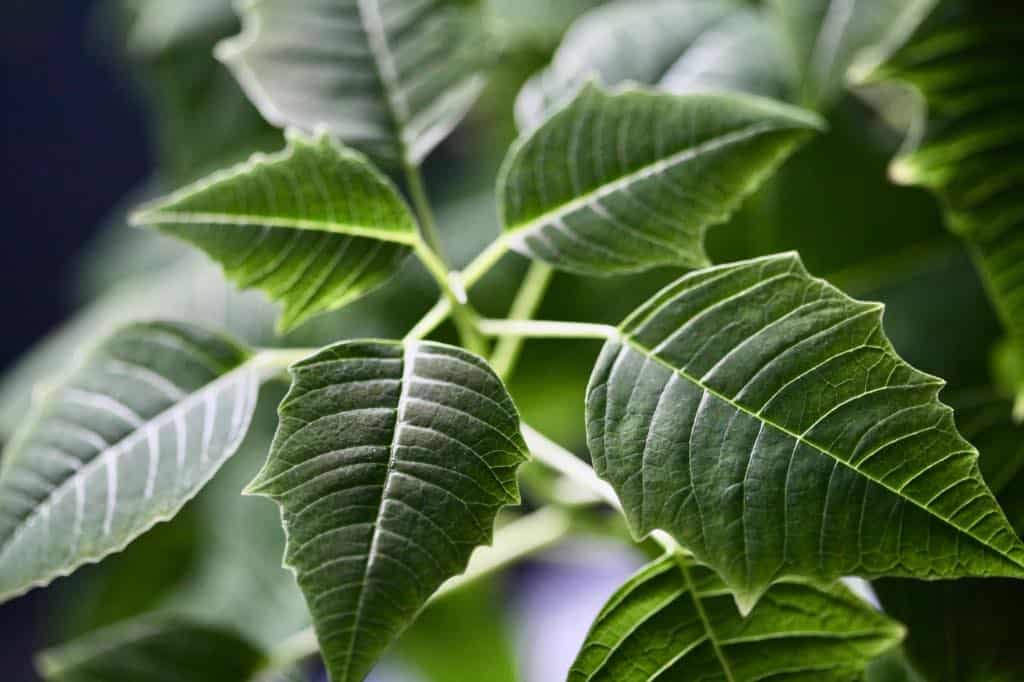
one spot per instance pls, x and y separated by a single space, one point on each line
390 464
966 66
762 418
120 445
391 77
683 46
315 226
837 40
622 182
156 648
677 621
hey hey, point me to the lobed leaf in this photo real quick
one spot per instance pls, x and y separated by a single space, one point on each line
683 46
315 226
676 621
622 182
118 446
390 464
966 67
156 648
391 77
762 418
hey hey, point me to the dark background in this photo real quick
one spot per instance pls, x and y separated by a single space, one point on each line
74 142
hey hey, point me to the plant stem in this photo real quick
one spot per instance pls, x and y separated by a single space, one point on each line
557 458
544 329
464 316
524 306
469 276
425 215
513 542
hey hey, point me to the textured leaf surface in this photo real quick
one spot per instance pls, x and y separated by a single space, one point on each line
392 77
169 650
967 65
976 621
390 464
762 417
678 622
834 40
681 45
315 226
622 182
118 446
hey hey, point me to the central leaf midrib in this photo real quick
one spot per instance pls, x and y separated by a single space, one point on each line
170 218
699 605
648 353
386 72
102 456
653 169
408 368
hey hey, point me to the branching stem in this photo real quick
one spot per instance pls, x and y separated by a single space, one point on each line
524 306
546 330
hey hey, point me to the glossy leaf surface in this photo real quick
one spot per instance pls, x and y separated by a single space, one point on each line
390 464
315 226
391 77
119 445
761 417
622 182
677 621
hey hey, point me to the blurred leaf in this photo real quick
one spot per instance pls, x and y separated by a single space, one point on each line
572 196
237 580
832 37
470 617
385 76
892 667
201 118
537 23
677 620
315 226
189 291
681 45
106 454
169 650
838 459
424 442
966 65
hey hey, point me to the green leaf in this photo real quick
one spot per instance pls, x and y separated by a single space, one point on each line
118 446
165 649
681 45
761 417
966 67
390 464
387 76
838 41
622 182
315 226
976 620
677 621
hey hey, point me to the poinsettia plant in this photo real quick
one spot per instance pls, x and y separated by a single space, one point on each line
750 423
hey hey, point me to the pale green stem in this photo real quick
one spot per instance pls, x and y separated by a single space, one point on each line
421 204
513 542
546 330
579 473
455 294
524 306
469 276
